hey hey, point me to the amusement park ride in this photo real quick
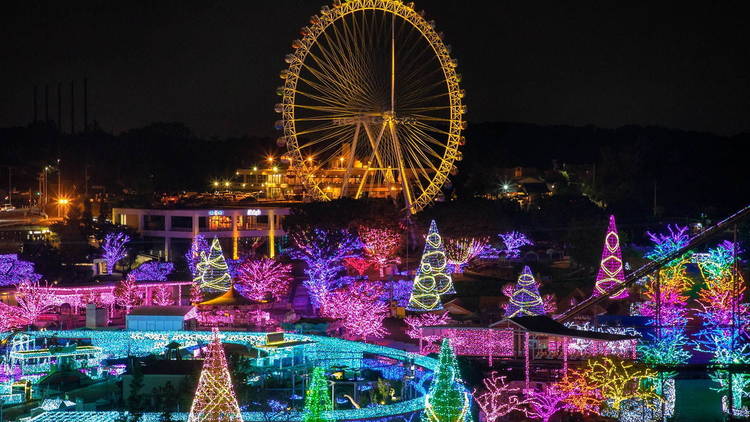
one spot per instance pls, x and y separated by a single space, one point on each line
371 104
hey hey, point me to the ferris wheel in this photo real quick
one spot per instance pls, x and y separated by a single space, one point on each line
371 104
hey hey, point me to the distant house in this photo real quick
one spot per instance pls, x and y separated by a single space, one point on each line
161 318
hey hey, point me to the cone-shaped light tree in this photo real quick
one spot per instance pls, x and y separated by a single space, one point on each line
212 272
447 400
432 278
317 398
611 271
525 299
214 399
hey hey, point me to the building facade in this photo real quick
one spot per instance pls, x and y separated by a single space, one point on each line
235 227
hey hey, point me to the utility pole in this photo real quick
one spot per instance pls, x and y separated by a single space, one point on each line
59 188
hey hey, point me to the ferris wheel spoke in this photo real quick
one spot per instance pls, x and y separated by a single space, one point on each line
329 85
422 149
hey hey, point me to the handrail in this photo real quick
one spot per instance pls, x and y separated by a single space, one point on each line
648 268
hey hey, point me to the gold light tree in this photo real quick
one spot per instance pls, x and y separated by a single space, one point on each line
371 104
214 399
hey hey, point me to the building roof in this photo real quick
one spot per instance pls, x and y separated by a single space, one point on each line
229 298
180 311
546 325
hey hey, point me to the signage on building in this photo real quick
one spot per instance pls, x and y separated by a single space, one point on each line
253 211
216 212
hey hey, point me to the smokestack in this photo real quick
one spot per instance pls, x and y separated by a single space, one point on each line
59 106
46 103
85 104
35 105
72 107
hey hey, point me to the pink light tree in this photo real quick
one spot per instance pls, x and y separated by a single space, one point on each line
162 296
33 300
498 399
611 270
196 293
114 249
359 307
11 318
380 245
127 294
546 403
424 320
259 279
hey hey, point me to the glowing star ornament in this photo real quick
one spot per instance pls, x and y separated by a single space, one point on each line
611 272
214 398
447 400
432 279
525 299
213 271
317 398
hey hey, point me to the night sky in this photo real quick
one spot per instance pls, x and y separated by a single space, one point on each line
215 65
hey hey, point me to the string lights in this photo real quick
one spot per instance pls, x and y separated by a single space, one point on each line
212 270
214 398
525 299
611 272
432 279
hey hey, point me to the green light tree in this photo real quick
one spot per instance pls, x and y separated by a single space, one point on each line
212 272
432 278
317 398
447 400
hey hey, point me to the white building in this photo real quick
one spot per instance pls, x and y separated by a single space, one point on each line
160 318
175 228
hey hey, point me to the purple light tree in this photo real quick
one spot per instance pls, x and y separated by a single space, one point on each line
114 249
323 250
15 271
152 271
513 242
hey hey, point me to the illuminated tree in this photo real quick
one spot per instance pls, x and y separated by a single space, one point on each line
127 294
463 250
582 397
196 294
611 270
15 271
545 403
360 265
525 299
317 398
432 279
323 250
550 304
447 401
666 295
162 296
380 245
513 242
425 320
725 319
152 271
11 318
498 399
212 270
33 300
619 380
360 308
214 398
259 279
193 255
114 249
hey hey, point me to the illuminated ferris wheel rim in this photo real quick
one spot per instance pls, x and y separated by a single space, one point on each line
318 25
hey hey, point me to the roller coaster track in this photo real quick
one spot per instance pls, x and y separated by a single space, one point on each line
652 266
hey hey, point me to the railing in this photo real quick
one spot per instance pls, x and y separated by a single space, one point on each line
652 266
